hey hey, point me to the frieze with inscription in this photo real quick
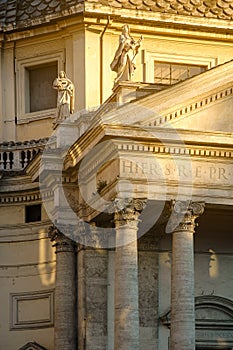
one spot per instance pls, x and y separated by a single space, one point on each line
214 334
178 170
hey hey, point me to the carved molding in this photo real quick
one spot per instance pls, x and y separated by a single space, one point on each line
25 198
175 149
206 152
192 107
23 316
61 241
32 346
21 68
217 314
184 214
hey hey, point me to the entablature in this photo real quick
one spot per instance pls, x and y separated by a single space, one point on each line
153 163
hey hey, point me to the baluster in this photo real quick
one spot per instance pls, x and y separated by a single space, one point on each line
4 160
11 159
22 159
28 156
25 159
1 162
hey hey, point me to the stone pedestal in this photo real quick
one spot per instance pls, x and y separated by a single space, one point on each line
126 277
65 291
126 91
182 283
67 132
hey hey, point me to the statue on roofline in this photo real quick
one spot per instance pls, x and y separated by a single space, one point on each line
65 96
127 50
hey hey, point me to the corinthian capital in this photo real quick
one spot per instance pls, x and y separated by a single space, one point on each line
127 210
60 241
184 214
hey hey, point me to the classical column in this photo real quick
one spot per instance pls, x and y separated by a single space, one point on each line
126 275
182 280
65 291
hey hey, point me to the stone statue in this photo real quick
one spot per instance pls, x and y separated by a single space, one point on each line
128 48
65 96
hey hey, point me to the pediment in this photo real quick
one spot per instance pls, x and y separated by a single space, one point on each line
203 102
211 113
211 312
212 308
32 346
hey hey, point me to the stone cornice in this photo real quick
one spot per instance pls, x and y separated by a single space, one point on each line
144 16
192 107
28 232
24 197
86 142
163 19
204 145
193 143
176 149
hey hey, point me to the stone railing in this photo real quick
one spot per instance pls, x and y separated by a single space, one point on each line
17 155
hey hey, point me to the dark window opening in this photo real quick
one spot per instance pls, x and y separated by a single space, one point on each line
39 80
33 213
172 73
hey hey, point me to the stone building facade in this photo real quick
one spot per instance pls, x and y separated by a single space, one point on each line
116 222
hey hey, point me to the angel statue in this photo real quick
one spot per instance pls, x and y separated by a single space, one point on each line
65 96
128 48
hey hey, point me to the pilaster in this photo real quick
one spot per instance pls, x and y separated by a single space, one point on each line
79 75
182 279
8 78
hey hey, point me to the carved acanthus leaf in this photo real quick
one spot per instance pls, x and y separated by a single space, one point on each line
61 241
127 210
184 214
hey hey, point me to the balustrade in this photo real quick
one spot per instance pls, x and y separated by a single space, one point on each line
15 156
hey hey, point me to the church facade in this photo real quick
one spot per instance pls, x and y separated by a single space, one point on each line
116 169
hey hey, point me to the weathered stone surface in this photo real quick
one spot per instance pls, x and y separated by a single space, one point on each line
65 291
96 299
148 299
182 279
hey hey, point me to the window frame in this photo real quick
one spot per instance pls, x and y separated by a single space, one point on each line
22 93
148 59
171 66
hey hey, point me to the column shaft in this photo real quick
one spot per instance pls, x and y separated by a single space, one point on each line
65 302
65 291
126 291
182 298
182 280
126 274
110 299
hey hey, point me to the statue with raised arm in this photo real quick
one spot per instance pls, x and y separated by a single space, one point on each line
127 50
65 96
